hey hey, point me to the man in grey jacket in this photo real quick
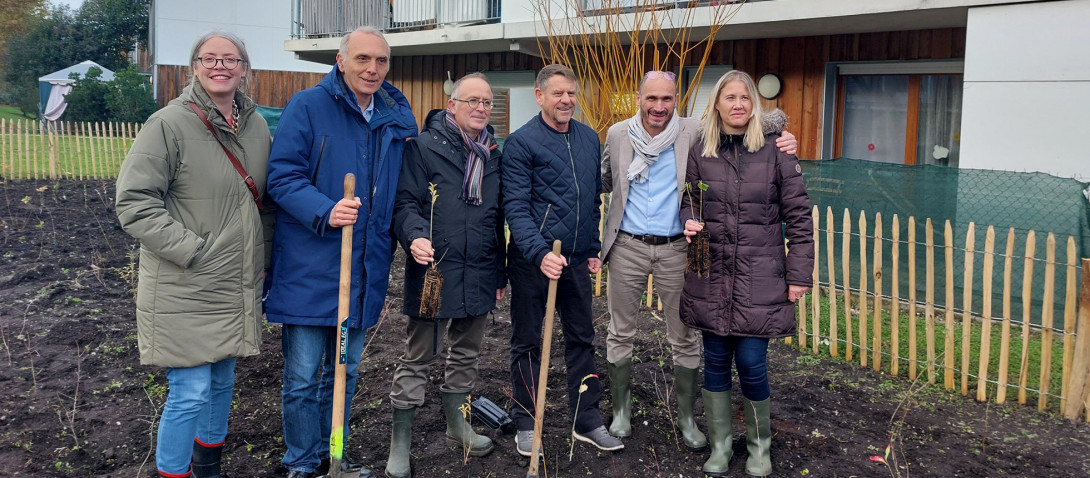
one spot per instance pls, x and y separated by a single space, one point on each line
643 166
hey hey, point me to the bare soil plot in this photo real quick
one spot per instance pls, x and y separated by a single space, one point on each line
74 400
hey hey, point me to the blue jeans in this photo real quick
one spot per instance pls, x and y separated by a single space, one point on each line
198 402
750 354
306 401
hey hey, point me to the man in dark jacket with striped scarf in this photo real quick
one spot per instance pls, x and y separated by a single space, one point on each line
551 190
460 232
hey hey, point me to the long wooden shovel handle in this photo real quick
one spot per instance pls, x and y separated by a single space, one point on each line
336 436
543 374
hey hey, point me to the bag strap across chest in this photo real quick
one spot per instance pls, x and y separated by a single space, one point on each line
250 184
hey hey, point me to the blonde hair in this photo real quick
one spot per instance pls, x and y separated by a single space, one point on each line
713 126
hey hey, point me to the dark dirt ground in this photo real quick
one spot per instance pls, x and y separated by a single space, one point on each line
74 400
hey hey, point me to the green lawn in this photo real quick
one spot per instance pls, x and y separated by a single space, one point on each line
27 156
11 112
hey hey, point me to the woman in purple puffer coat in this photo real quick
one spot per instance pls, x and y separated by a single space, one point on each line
752 191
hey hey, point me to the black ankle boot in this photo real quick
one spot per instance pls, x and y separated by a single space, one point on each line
206 460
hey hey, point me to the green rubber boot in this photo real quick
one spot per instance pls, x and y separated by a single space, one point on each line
620 389
685 384
758 437
459 431
397 465
720 433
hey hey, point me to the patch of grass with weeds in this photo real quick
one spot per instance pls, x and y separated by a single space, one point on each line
807 360
113 350
63 467
154 388
1033 349
114 385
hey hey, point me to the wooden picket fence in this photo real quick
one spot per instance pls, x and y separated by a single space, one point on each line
30 149
855 319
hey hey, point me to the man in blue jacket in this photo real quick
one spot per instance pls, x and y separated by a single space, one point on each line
551 190
353 121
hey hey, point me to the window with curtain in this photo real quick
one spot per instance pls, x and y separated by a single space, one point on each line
939 134
899 118
875 117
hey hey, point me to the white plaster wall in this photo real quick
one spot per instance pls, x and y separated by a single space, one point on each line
520 86
1027 88
262 24
512 11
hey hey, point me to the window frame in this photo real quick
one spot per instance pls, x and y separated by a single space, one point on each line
832 138
688 74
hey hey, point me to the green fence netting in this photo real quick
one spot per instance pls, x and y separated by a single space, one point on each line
1002 199
271 115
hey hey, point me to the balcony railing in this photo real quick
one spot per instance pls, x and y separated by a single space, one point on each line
328 18
593 7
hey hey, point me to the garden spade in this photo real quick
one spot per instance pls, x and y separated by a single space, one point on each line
336 436
543 374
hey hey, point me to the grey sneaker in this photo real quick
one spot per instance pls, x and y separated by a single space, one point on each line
600 438
524 441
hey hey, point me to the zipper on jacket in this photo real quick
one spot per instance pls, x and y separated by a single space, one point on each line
318 165
575 242
548 207
737 225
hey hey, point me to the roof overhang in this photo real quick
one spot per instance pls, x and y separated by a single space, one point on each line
771 19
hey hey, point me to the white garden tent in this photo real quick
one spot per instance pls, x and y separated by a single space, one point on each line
54 86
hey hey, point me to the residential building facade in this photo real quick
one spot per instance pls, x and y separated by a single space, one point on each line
897 81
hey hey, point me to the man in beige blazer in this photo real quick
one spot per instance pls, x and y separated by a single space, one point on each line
643 166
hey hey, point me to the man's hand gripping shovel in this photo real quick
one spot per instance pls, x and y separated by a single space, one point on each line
543 374
336 436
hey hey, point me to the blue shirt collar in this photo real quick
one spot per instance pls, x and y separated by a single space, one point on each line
370 111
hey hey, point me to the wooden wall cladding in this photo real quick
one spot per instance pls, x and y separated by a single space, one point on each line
267 88
421 77
800 62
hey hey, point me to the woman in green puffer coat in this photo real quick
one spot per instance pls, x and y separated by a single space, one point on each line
202 236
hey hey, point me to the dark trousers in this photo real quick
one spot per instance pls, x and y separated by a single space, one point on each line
529 292
749 354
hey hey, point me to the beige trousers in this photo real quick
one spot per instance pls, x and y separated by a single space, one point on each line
630 262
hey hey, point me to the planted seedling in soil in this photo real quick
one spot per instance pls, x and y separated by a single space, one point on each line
433 278
698 257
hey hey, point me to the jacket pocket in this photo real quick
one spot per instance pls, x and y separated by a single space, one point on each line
768 290
695 312
695 286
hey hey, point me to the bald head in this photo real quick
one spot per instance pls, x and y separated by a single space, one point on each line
658 100
364 30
